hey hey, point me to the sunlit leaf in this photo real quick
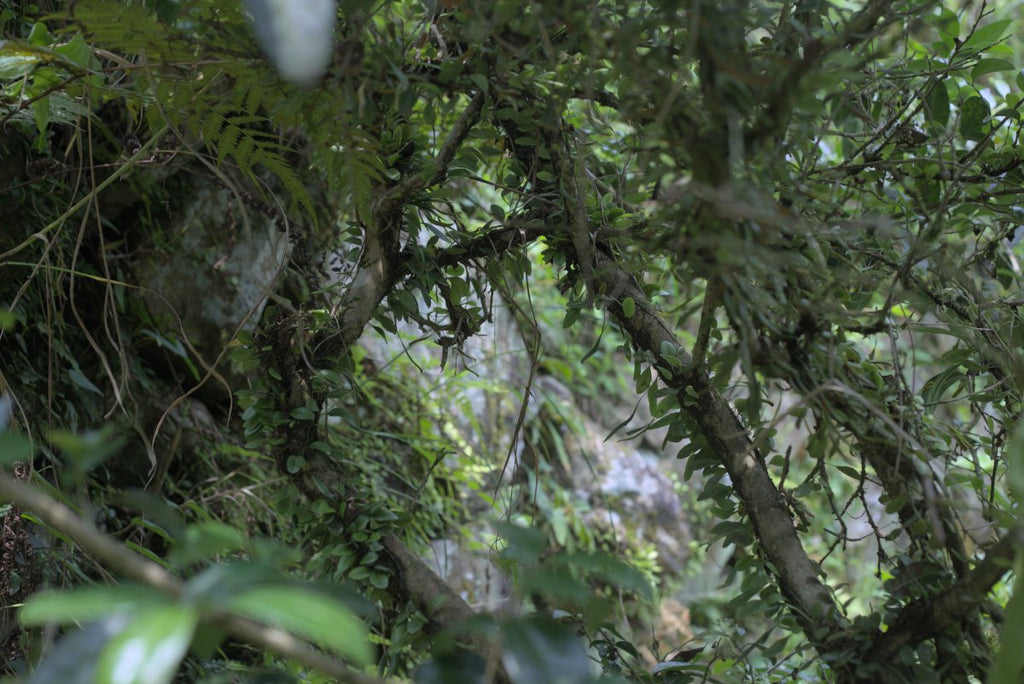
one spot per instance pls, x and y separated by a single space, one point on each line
150 648
73 659
628 307
18 59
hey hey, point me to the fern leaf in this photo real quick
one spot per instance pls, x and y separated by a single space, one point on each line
228 143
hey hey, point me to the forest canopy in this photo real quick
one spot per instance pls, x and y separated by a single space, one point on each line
461 341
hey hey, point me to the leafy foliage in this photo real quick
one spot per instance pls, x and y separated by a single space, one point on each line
787 232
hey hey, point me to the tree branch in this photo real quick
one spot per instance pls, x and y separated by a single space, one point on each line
119 558
797 575
379 261
437 169
380 269
566 169
929 617
494 243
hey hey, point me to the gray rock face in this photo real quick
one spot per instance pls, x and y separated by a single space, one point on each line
624 490
214 275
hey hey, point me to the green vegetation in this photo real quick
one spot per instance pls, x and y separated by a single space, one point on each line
535 342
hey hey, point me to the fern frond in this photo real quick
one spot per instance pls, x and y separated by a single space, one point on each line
129 26
276 164
211 127
221 99
228 144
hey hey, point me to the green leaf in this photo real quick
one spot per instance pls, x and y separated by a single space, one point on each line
40 35
83 605
522 544
937 385
78 377
670 666
628 307
643 382
733 532
206 640
974 113
480 81
76 51
987 35
849 471
8 320
948 24
18 59
87 450
557 584
149 650
302 413
206 540
314 615
1009 662
990 66
539 651
388 323
937 105
214 585
73 659
41 114
559 526
1015 462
